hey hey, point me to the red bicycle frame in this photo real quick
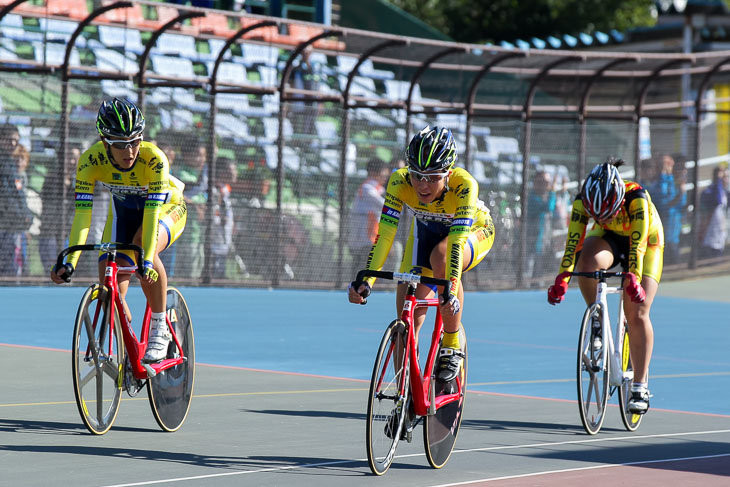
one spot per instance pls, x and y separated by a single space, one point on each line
135 347
424 402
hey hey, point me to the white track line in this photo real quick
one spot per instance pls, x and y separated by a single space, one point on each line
579 469
458 451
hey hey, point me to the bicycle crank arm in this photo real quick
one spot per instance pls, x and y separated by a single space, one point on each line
150 371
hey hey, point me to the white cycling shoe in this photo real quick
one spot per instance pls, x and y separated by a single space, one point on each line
158 342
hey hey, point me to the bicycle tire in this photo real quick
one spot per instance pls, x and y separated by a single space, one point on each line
385 400
97 358
592 375
170 392
441 429
631 421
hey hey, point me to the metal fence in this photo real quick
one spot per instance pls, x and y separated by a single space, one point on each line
282 117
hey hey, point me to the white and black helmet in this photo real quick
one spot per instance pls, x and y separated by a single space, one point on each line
603 190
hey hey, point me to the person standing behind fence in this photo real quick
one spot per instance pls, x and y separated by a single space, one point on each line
221 230
54 196
675 210
365 214
540 208
193 171
713 211
16 215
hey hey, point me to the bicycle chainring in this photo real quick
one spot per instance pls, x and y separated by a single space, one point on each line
131 384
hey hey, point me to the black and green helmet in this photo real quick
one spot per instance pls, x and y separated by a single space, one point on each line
432 150
119 117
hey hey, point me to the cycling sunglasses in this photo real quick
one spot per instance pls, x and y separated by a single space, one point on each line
429 177
124 143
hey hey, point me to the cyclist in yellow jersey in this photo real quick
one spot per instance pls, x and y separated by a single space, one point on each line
147 208
451 233
627 231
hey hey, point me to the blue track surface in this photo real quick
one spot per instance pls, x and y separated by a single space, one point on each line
518 344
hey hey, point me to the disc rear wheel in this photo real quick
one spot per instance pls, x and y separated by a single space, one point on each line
440 429
171 391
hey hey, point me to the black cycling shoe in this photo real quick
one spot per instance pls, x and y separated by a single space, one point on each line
639 402
449 364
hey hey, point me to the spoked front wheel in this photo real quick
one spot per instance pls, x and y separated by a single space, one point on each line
593 369
97 361
440 429
171 391
631 420
387 402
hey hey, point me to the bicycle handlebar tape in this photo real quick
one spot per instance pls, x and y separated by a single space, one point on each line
69 270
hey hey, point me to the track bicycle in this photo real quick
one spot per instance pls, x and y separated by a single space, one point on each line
401 396
606 369
107 356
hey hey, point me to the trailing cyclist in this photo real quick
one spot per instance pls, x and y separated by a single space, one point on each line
627 231
147 209
451 233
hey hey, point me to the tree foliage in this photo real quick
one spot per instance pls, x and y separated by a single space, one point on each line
478 21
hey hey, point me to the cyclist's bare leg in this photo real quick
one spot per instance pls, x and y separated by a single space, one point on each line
155 292
438 266
596 254
641 332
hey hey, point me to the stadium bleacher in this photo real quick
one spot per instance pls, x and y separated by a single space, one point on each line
115 40
121 38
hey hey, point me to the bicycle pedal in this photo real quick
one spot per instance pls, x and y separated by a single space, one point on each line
150 371
407 435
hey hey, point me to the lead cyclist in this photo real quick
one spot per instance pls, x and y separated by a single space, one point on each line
451 233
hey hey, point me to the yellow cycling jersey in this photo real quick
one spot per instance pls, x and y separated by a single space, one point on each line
453 213
147 185
638 220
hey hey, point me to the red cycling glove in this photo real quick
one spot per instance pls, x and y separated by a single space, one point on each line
633 288
556 292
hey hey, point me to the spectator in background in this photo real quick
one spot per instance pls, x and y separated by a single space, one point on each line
663 190
304 113
540 209
675 211
713 212
22 159
56 192
16 215
365 213
649 173
563 202
191 169
221 233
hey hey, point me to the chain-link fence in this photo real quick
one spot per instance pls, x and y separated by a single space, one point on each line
270 183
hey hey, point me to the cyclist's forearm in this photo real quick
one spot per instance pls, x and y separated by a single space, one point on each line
79 231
